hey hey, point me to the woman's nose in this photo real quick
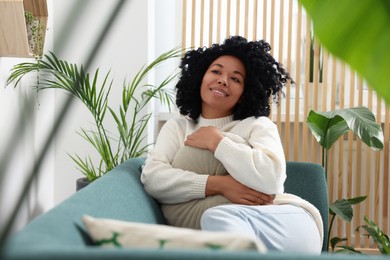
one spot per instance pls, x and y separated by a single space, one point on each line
222 81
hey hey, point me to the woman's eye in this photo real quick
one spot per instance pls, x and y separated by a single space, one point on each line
216 72
237 80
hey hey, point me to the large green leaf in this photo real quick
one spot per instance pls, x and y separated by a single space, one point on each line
344 249
326 130
342 208
327 127
335 240
357 200
358 32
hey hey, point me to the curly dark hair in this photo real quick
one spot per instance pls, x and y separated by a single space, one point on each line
264 77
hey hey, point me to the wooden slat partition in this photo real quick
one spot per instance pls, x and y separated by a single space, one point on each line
13 30
354 169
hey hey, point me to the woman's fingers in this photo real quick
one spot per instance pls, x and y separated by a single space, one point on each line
206 137
241 194
259 198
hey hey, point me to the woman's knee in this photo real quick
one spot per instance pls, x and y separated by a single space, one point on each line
224 218
213 217
279 227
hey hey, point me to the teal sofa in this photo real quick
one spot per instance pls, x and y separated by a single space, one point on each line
60 234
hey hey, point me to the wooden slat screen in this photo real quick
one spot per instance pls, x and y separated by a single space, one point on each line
355 169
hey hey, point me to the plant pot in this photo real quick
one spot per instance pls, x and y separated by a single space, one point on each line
81 183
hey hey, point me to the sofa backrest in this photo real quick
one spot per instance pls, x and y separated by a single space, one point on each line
126 198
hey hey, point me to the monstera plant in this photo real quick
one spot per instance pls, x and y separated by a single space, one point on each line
327 128
131 118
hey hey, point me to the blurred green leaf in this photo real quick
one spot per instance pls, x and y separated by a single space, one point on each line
357 32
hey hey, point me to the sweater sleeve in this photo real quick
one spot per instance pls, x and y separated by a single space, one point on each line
253 154
163 182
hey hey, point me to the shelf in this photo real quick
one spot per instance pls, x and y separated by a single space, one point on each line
13 29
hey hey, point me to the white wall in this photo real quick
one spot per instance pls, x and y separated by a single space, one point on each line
124 52
23 149
142 30
167 35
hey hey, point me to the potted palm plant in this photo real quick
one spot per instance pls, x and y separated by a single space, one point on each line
131 119
327 128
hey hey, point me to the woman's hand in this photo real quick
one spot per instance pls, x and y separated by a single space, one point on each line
206 137
236 192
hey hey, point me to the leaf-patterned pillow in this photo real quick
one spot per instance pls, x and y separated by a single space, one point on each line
117 233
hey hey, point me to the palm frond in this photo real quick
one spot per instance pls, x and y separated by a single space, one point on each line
131 122
101 145
86 167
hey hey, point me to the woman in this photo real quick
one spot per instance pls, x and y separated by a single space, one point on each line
221 166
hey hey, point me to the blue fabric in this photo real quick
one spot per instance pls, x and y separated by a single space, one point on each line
284 228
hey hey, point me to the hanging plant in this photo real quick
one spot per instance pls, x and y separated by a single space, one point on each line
35 34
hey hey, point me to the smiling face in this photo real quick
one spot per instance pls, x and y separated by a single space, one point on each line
222 87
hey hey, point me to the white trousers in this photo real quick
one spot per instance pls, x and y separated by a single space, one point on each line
280 227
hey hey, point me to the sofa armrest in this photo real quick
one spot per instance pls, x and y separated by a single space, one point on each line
118 194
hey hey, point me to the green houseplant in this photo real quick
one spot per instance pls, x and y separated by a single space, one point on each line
380 238
36 29
327 128
131 119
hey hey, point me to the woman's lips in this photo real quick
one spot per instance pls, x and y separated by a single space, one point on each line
219 92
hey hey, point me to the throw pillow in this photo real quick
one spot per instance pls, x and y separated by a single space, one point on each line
200 161
117 233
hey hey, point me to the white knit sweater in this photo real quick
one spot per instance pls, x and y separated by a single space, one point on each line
251 151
